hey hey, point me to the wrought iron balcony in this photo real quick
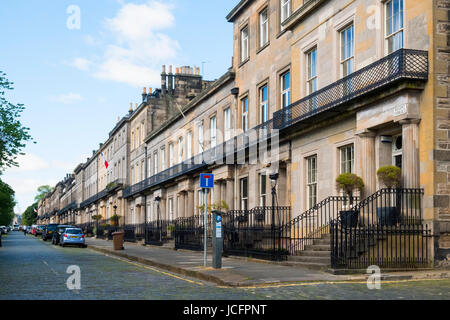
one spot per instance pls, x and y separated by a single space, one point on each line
233 147
94 198
404 64
71 206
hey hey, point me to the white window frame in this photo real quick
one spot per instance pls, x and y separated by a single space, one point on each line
285 92
171 155
227 123
155 162
244 106
163 158
262 190
285 6
264 104
344 160
213 131
201 138
189 145
180 149
263 27
311 181
244 43
401 27
244 199
351 58
311 79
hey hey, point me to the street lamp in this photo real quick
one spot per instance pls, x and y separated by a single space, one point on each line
273 182
158 201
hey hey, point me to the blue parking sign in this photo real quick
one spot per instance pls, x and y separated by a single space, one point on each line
207 180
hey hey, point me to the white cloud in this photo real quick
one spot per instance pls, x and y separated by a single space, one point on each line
66 98
29 162
81 64
139 46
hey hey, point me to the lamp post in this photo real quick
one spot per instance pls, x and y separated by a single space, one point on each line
158 201
273 181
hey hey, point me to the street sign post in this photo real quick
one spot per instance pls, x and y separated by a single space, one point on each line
206 183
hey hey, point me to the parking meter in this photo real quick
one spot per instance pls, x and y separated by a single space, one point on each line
217 239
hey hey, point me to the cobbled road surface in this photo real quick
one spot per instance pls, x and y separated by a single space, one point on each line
33 269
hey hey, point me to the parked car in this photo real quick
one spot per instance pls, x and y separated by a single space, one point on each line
73 236
30 229
60 228
48 231
38 230
3 229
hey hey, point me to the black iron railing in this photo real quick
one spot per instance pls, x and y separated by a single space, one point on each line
94 198
189 232
257 233
159 232
403 64
234 147
386 229
133 232
314 223
71 206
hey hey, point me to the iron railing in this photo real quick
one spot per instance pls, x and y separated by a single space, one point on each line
314 223
234 147
133 232
403 64
386 229
257 233
102 194
159 232
189 232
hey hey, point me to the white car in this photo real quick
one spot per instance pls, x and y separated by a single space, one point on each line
4 229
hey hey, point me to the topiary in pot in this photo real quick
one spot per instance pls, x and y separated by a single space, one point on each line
348 182
391 177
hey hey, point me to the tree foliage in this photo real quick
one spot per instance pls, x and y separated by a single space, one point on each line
7 204
29 217
42 191
13 135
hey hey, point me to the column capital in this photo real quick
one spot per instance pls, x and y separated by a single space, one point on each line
365 133
409 121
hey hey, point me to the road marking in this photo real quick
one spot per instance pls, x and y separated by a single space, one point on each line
326 282
155 270
45 262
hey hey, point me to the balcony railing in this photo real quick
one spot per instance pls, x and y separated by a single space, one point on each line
94 198
231 147
71 206
403 64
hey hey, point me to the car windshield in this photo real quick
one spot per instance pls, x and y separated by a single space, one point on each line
51 228
73 231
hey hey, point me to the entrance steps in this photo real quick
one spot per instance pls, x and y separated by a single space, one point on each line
315 256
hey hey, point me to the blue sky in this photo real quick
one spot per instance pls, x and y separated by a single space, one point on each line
76 82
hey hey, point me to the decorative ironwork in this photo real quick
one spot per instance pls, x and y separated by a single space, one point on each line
404 64
258 232
385 229
189 232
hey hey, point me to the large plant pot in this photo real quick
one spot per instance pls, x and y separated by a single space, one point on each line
349 218
387 216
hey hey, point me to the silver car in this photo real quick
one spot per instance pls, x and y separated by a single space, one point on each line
73 236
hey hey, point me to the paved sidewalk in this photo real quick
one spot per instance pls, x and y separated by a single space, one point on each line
237 272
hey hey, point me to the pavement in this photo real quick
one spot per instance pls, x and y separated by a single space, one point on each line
239 272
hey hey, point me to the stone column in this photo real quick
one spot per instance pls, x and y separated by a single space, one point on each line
410 155
230 194
365 161
180 204
190 204
217 192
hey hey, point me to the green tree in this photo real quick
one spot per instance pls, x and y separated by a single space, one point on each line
42 191
29 217
7 204
13 135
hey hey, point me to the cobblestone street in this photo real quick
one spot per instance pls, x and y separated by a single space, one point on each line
33 269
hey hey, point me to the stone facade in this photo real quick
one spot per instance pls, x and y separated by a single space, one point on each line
285 52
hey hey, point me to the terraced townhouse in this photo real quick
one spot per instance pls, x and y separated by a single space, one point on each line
327 87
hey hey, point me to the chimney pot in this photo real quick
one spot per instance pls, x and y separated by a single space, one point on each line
178 70
145 90
164 68
170 69
149 90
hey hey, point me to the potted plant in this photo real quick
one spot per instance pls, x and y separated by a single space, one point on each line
391 177
348 182
115 219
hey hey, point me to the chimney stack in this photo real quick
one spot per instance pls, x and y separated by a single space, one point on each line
171 81
163 80
144 95
131 108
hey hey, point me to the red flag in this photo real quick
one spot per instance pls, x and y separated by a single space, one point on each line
106 162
